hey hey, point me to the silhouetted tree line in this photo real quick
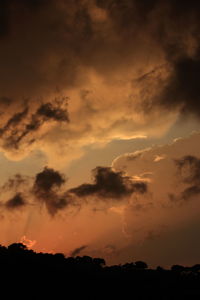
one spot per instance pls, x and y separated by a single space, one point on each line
90 278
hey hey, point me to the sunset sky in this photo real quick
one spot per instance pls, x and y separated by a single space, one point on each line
99 128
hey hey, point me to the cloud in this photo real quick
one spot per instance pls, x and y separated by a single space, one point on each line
76 49
15 202
164 22
156 184
172 182
189 168
14 120
167 168
47 190
182 89
47 180
17 189
190 192
50 112
15 182
109 184
46 187
77 251
189 171
122 70
22 129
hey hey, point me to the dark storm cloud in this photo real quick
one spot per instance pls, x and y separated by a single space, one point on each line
47 190
49 46
180 40
109 184
183 89
15 202
40 41
48 179
3 19
52 39
77 251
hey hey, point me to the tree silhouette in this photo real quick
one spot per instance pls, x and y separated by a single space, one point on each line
90 277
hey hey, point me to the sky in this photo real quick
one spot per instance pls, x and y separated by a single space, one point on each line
99 128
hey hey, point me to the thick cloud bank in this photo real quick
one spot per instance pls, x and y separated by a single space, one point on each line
119 64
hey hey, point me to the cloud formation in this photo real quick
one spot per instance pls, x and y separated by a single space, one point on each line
173 185
16 202
172 29
189 170
77 251
109 184
83 73
47 180
182 89
76 49
46 189
21 129
15 183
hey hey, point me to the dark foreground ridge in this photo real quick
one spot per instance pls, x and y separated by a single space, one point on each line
44 275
